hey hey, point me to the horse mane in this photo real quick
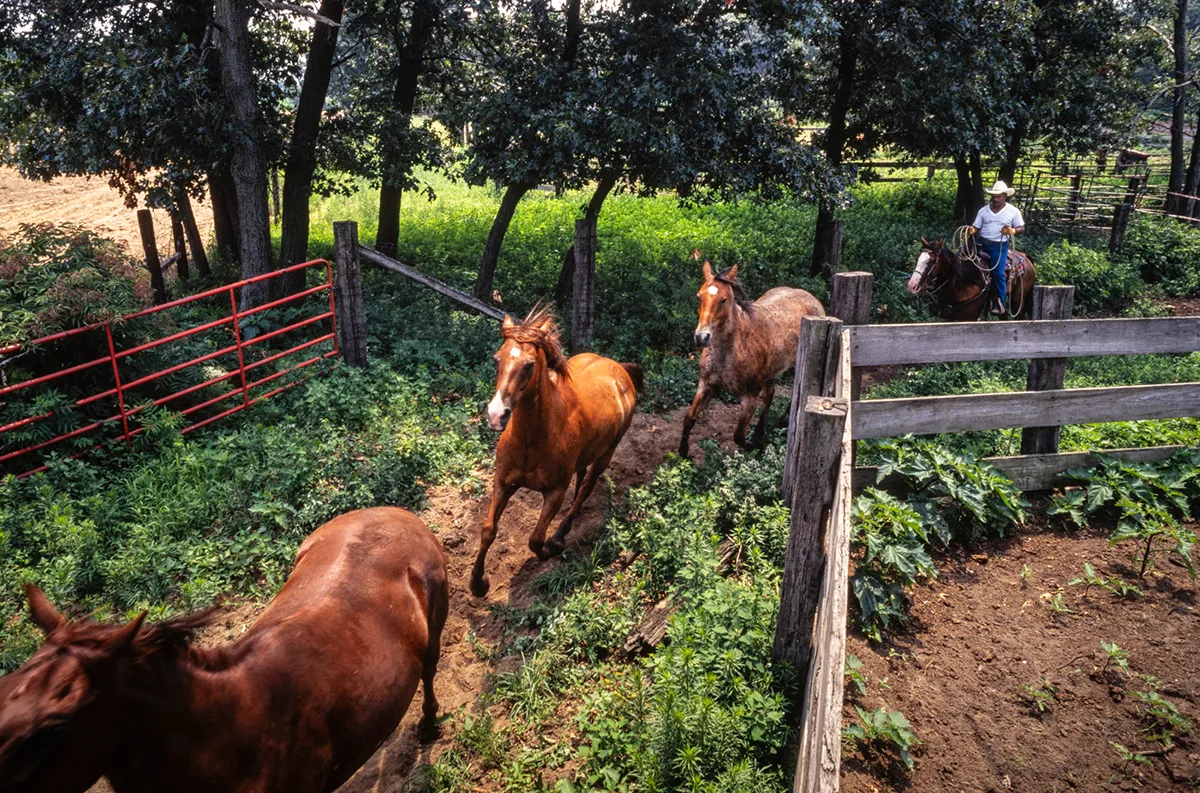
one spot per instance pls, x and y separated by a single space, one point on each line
173 636
540 328
965 270
739 292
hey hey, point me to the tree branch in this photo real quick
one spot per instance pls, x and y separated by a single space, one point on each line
274 5
1165 40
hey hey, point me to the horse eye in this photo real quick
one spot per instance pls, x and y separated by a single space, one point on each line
724 300
528 366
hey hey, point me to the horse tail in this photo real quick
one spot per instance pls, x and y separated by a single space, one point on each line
635 374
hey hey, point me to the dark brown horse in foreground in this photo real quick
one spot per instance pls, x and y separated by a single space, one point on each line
295 706
745 346
958 285
557 417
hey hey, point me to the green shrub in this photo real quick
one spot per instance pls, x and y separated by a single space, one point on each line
891 553
53 278
1100 283
1166 251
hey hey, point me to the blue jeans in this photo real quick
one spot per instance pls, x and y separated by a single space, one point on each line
999 253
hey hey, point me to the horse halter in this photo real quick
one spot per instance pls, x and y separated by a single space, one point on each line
925 281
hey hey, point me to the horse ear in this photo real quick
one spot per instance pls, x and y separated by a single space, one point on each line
696 254
732 272
707 270
508 322
546 324
122 637
924 242
41 610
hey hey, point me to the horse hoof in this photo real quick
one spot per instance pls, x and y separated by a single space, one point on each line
428 730
537 547
553 548
480 586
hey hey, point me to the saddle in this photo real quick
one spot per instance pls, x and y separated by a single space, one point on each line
1013 268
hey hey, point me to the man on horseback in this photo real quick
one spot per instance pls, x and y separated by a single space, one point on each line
996 223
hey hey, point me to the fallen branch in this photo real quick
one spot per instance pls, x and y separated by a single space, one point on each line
274 5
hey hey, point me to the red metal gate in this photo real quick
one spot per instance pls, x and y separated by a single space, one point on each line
120 389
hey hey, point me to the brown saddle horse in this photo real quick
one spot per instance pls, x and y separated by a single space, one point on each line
959 287
296 705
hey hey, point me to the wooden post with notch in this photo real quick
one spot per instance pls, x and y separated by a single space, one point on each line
352 321
1073 197
150 250
815 375
1047 374
583 300
181 260
192 233
813 455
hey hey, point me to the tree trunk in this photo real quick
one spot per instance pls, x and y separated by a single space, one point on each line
223 226
1012 153
249 154
302 153
409 66
835 138
964 198
976 178
566 274
491 250
1192 180
1178 107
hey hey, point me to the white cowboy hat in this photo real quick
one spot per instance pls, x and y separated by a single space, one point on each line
1000 187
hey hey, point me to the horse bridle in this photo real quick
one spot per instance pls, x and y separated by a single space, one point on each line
928 285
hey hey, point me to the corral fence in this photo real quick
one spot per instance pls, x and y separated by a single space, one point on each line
350 253
828 417
233 355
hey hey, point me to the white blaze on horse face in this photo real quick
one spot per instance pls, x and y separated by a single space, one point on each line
712 290
497 410
515 352
914 283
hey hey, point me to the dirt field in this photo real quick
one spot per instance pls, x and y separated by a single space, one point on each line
982 630
90 203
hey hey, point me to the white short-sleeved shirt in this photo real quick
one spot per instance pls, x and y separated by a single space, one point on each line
989 223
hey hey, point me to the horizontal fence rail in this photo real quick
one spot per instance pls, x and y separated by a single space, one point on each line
942 342
885 418
120 391
428 281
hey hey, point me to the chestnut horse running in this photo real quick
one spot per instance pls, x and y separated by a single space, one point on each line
957 284
294 706
557 417
745 346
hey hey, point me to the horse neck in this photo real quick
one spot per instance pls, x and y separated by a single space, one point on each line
540 409
173 707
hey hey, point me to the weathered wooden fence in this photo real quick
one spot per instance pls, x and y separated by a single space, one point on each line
828 417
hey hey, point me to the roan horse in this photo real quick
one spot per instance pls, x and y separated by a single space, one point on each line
296 705
557 417
957 284
745 346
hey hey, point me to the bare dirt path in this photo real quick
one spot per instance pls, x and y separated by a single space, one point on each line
89 203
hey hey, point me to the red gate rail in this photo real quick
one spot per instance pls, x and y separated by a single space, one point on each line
240 345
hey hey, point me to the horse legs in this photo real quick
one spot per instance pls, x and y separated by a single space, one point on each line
487 535
703 394
554 546
551 501
749 403
427 730
768 396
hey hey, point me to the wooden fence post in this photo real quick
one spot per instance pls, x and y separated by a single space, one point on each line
352 322
818 455
815 375
1046 374
1073 197
583 301
1116 237
181 261
194 240
150 249
851 303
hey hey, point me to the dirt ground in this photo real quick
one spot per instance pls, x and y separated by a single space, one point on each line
982 630
90 203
